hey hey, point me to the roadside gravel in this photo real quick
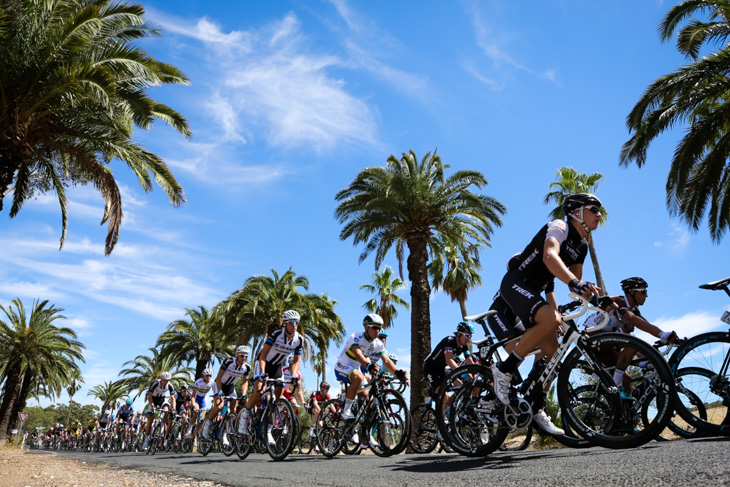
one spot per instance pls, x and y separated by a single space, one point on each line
23 468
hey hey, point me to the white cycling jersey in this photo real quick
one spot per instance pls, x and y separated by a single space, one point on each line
372 349
202 388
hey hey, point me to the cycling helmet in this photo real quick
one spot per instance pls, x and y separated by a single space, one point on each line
129 401
208 371
373 320
575 201
324 384
383 334
166 375
242 350
289 315
465 327
183 388
633 283
393 357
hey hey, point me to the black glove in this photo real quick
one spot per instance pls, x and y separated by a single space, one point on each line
578 287
373 368
401 375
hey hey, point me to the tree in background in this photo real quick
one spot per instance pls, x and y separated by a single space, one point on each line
74 384
109 393
145 369
72 89
697 96
386 301
455 269
569 181
199 340
35 356
405 204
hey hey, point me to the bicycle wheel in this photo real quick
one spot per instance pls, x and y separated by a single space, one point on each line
330 428
205 445
425 430
305 442
392 424
473 426
708 352
596 410
279 426
228 440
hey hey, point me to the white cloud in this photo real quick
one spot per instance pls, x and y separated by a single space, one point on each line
678 240
690 324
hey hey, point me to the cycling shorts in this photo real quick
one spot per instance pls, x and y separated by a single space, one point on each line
504 324
200 401
522 297
272 370
344 371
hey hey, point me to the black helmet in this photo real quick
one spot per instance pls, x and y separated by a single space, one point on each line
465 327
633 283
575 201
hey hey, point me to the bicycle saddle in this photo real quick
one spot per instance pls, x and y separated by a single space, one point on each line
714 286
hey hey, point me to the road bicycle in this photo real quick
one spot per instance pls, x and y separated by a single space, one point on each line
703 363
272 424
222 429
425 436
477 423
157 431
381 418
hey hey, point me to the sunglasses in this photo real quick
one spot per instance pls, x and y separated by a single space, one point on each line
375 327
293 322
382 337
467 335
642 291
593 209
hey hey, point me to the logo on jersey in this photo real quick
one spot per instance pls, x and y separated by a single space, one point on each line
524 292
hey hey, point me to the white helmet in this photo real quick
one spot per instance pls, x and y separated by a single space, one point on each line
166 375
373 320
243 350
289 315
208 371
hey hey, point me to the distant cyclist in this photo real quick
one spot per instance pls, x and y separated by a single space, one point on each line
157 396
201 388
316 401
446 353
231 370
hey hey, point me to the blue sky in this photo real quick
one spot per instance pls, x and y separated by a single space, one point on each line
289 100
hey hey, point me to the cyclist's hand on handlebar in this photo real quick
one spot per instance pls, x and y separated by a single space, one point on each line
668 337
585 289
373 368
402 376
261 376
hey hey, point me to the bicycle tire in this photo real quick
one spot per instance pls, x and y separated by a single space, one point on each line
707 352
280 417
205 445
393 424
425 429
305 442
609 421
467 431
330 428
228 434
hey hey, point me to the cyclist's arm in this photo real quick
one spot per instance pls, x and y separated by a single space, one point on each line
359 356
262 357
149 399
389 365
449 358
218 380
639 322
244 386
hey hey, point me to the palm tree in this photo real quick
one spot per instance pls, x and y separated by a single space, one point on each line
109 393
405 204
198 339
73 386
455 269
256 308
72 90
386 301
570 181
696 95
36 356
144 370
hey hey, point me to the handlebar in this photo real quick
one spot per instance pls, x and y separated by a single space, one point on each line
585 307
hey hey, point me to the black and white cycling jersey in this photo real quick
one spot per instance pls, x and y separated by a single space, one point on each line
233 371
159 392
281 346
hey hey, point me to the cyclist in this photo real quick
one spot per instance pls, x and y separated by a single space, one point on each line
315 401
624 318
383 337
358 350
557 251
446 353
231 369
157 398
293 391
125 414
201 387
280 343
182 402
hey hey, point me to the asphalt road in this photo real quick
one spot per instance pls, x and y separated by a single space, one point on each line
701 462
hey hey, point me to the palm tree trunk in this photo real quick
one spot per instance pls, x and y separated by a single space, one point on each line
596 267
13 386
20 402
420 317
70 401
462 306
